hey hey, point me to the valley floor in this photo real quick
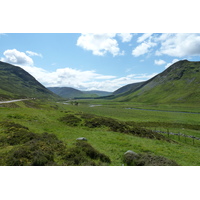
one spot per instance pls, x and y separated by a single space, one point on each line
69 122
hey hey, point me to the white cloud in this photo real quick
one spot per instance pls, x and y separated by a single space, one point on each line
169 64
144 37
159 62
180 44
83 80
143 48
68 77
16 57
31 53
126 37
99 44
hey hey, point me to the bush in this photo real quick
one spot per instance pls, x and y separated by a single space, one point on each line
20 156
148 160
91 152
20 137
37 152
83 154
35 149
70 120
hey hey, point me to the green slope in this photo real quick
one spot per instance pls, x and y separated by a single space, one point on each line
180 83
128 88
68 92
17 83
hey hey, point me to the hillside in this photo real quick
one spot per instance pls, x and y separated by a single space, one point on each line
17 83
97 92
180 83
68 92
128 88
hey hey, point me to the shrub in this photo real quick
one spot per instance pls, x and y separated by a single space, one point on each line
91 152
70 120
20 137
148 160
83 154
20 156
34 149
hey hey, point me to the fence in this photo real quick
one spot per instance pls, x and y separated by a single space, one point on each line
179 135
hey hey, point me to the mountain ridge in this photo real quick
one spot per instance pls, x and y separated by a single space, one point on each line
15 82
180 83
69 92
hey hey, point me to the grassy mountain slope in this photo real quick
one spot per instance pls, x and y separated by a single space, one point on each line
180 83
97 92
68 92
17 83
128 88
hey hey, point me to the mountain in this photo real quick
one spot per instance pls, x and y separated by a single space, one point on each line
97 92
68 92
130 87
17 83
180 83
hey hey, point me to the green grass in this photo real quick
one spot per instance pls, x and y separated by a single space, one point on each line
177 84
42 117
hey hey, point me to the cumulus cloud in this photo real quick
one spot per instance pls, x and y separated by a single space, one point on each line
144 37
16 57
126 37
31 53
179 45
68 77
169 64
83 80
159 62
99 44
143 48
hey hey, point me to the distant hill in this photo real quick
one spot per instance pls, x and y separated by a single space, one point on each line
17 83
68 92
180 83
97 92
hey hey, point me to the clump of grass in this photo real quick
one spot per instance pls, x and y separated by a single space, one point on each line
32 104
147 160
38 151
70 120
31 149
91 152
122 127
83 154
11 125
10 105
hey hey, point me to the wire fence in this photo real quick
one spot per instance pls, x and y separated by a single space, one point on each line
181 137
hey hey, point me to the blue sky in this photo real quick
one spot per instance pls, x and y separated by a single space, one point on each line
96 61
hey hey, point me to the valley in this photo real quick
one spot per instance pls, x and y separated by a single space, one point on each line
157 122
41 116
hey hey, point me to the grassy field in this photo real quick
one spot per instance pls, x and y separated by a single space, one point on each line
50 117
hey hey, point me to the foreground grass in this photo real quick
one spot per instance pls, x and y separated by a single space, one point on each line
42 117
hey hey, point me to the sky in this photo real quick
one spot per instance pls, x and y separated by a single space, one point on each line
50 41
96 61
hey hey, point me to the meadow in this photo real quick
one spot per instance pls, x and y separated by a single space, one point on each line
107 141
